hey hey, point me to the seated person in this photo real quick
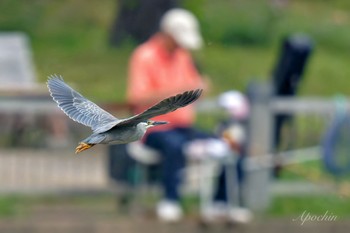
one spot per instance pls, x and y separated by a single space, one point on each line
159 68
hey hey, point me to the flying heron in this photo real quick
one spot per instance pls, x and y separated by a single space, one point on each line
106 128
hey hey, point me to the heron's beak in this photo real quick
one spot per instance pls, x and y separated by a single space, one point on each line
154 123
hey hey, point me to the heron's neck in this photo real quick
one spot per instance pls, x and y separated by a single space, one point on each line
141 128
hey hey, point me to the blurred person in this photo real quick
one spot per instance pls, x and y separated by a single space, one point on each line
159 68
233 131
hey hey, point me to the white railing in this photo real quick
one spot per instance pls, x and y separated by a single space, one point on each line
29 171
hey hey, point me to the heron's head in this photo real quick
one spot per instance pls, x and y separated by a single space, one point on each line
150 123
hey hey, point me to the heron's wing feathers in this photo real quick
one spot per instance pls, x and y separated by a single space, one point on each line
77 107
165 106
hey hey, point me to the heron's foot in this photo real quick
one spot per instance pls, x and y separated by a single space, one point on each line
83 146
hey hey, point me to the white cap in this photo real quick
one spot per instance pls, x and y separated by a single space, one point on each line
235 103
183 26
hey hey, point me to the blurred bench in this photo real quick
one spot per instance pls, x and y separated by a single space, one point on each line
19 91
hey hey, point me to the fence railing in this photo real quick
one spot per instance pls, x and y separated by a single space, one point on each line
51 171
264 107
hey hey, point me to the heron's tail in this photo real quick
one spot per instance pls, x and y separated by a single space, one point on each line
83 146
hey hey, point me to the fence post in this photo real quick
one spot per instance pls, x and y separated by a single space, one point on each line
256 186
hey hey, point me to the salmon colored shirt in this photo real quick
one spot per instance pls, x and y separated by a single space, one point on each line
154 71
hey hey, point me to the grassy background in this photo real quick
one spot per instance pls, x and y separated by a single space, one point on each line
282 206
242 42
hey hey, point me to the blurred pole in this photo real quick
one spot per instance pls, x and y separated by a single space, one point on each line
256 186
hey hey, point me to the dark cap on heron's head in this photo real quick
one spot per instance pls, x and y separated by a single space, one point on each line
183 27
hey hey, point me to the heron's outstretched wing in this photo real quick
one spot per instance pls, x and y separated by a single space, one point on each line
167 105
77 107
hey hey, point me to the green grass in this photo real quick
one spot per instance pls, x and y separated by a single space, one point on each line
10 206
281 206
6 207
317 205
21 206
242 41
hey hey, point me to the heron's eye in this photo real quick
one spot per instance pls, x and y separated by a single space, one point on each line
149 122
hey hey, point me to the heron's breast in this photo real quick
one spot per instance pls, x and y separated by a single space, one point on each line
123 135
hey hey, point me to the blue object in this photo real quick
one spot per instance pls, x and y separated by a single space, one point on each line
332 148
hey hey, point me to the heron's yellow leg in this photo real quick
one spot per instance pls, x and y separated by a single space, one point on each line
83 146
